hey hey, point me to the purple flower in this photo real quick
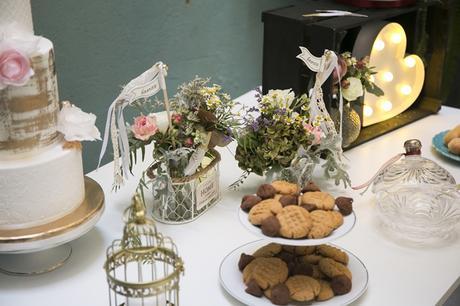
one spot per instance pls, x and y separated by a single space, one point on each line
255 126
253 109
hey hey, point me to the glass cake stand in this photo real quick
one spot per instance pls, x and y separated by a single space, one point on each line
43 248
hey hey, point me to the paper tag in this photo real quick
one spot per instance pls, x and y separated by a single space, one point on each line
314 63
207 190
144 90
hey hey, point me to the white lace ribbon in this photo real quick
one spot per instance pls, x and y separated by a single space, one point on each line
145 85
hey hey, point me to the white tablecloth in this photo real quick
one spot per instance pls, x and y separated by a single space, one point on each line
398 275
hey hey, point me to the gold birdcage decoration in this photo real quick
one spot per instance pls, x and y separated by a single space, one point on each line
143 268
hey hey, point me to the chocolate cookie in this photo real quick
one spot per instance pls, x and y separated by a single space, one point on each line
249 201
254 289
340 284
244 261
279 294
309 187
270 226
345 205
266 191
286 200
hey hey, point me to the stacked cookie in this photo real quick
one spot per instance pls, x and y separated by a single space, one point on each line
296 273
284 209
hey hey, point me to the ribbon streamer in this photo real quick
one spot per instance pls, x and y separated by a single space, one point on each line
145 85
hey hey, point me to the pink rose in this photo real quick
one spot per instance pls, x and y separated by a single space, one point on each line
14 69
188 142
176 118
315 130
144 127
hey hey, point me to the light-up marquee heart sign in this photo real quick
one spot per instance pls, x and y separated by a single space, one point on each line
399 75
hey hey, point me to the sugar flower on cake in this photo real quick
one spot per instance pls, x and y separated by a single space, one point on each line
15 68
77 125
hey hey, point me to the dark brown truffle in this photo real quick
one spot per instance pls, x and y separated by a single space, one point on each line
266 191
309 207
254 289
303 268
280 294
309 187
289 200
270 226
345 205
249 201
244 261
341 284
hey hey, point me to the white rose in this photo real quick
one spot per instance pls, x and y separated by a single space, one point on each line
281 98
162 120
77 125
354 91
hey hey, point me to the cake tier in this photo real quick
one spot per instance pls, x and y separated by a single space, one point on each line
40 189
17 12
28 114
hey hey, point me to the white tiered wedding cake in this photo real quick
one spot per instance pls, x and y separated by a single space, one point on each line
41 178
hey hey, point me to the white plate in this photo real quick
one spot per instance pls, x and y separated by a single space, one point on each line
232 279
348 223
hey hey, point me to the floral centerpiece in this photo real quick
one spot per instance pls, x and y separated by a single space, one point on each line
356 77
281 139
183 139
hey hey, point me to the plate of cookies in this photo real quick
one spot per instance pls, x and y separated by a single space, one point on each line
284 213
448 144
259 274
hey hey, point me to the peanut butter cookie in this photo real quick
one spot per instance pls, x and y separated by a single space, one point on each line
332 268
333 252
325 292
295 222
303 288
264 209
286 188
322 200
268 250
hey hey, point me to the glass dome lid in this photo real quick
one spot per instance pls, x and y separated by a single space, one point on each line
412 171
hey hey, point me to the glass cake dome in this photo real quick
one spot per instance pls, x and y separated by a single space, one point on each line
418 201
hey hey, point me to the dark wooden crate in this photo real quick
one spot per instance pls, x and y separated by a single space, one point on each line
285 29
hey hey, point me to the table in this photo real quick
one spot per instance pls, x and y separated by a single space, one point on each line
398 275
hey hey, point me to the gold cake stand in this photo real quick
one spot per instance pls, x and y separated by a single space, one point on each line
37 239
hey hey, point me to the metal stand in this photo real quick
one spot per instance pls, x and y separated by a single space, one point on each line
35 263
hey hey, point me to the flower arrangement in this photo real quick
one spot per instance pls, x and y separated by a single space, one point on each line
356 76
281 137
200 118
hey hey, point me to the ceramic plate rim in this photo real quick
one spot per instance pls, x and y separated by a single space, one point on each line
350 254
243 217
443 150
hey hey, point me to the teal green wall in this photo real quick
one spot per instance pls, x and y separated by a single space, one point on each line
102 44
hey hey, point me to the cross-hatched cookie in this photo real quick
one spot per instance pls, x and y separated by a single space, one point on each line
295 222
303 288
269 271
325 292
263 210
317 274
268 250
333 252
324 222
332 268
319 230
322 200
284 187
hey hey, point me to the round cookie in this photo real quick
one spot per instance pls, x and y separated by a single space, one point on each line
264 209
269 271
268 250
249 201
295 222
340 284
270 226
333 252
453 133
300 250
278 294
311 258
322 200
332 268
325 293
303 288
285 188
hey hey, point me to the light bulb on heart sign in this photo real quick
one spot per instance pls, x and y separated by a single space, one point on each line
400 76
